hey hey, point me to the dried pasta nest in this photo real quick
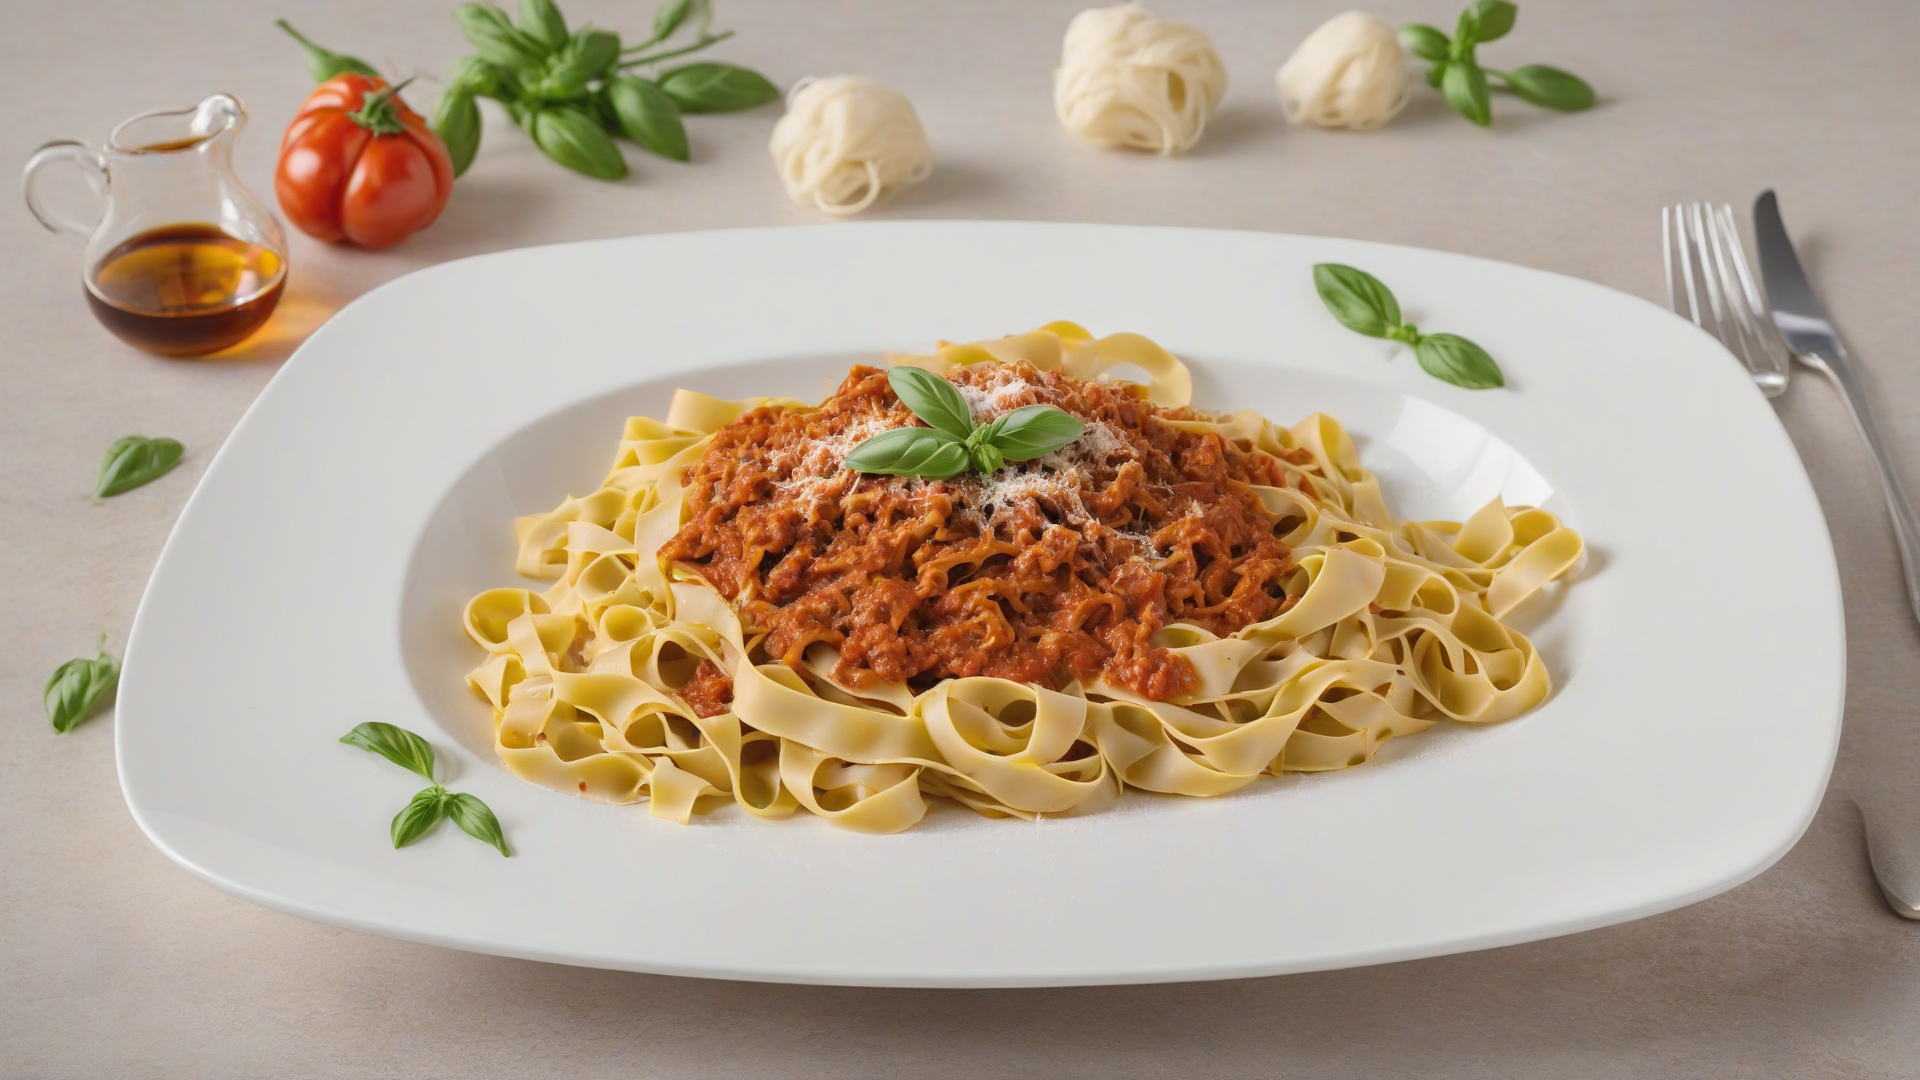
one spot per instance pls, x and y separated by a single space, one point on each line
845 141
1128 78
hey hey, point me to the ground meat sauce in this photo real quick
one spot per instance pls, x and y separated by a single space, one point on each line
1052 569
710 691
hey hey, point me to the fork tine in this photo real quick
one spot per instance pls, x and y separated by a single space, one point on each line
1666 252
1705 235
1704 246
1770 351
1737 327
1686 264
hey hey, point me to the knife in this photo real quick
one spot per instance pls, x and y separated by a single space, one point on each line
1810 333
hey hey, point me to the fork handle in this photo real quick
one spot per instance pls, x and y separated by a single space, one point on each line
1906 527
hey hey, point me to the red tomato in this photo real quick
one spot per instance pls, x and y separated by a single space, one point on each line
373 175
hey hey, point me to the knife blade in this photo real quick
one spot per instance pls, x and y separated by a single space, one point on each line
1796 311
1809 330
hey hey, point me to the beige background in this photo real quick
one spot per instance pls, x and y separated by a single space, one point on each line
114 962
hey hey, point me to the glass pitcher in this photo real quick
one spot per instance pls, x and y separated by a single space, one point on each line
181 260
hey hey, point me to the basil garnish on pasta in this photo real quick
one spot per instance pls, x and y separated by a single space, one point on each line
1366 306
429 805
953 442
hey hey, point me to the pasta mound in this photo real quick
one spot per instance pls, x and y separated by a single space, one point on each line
1177 602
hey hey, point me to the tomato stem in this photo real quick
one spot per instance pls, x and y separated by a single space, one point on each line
378 114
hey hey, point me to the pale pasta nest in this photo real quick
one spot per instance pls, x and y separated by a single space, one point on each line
1397 626
845 141
1349 73
1128 78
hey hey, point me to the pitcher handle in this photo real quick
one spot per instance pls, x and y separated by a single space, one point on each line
91 165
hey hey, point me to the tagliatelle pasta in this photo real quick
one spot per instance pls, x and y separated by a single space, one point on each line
1169 648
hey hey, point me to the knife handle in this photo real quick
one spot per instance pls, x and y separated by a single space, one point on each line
1906 528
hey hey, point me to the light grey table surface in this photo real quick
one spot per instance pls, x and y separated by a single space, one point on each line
113 962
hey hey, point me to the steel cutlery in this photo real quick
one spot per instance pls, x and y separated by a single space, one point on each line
1707 267
1809 331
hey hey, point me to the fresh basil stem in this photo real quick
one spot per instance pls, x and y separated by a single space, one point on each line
324 64
1365 305
702 42
430 804
953 441
134 460
77 686
1459 76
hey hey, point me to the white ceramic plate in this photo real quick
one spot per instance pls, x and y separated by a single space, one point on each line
316 577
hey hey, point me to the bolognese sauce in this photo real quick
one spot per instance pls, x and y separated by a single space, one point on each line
1058 568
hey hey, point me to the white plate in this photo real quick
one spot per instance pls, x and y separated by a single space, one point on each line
316 577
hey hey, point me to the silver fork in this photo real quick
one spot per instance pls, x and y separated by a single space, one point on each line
1703 243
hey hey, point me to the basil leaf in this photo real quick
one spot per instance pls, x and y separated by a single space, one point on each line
475 76
648 116
932 399
987 458
1465 87
1487 20
76 687
457 121
573 137
420 816
936 460
668 17
1550 88
1357 299
910 451
709 87
493 34
593 53
1454 359
324 64
1032 431
541 21
1425 42
1436 74
476 820
134 460
396 744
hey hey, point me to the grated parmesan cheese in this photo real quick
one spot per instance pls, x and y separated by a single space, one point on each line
1056 481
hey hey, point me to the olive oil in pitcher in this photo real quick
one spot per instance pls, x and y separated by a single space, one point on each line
207 278
185 290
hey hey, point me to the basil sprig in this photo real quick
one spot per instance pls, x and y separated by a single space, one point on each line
77 686
952 442
430 804
1460 78
1366 306
134 460
574 92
